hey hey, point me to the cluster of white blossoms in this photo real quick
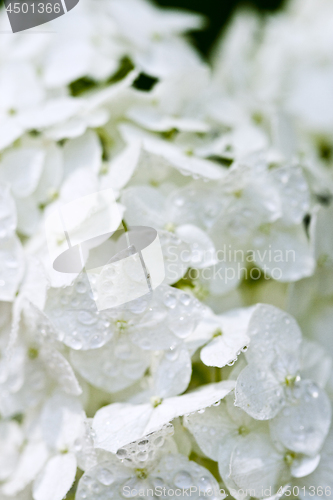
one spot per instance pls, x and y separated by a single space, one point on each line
220 381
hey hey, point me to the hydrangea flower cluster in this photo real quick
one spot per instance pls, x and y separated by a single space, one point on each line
220 381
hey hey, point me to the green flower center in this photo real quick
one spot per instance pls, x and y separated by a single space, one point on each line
289 457
156 401
33 353
141 473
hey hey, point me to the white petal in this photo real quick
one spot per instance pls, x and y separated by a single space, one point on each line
203 333
10 131
171 317
321 236
119 424
144 206
105 480
173 373
29 215
8 217
259 393
62 421
30 463
52 174
285 252
122 167
154 120
153 19
68 129
34 283
256 465
67 62
164 151
304 466
202 247
323 475
11 438
176 471
294 193
60 370
222 278
83 152
56 479
316 363
25 385
224 460
22 168
187 165
114 366
226 347
20 85
176 256
188 403
273 333
211 429
303 424
11 267
52 112
80 182
74 313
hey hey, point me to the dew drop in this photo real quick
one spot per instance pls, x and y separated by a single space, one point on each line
74 343
121 453
170 300
183 480
205 484
313 390
81 287
86 318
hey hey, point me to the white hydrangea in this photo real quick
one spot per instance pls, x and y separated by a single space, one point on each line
220 380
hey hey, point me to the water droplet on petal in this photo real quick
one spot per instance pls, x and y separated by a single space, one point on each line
105 477
183 480
81 287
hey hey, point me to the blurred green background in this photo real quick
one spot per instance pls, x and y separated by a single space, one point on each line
218 12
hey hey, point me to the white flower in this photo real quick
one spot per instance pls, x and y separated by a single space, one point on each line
49 459
113 367
147 465
154 42
11 252
92 110
120 423
322 476
62 422
171 154
261 469
229 332
218 431
189 246
174 103
267 225
11 438
34 172
271 386
159 320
